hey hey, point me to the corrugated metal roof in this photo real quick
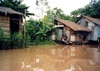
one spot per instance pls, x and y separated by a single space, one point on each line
73 25
94 20
9 11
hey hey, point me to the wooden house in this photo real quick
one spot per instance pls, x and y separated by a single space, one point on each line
93 24
73 31
10 20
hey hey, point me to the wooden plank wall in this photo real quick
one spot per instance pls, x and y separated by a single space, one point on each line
5 24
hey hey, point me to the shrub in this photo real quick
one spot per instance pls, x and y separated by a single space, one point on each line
18 41
39 32
1 38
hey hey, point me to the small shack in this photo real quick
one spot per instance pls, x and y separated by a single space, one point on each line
91 23
10 20
73 31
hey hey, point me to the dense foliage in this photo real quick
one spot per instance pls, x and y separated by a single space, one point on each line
58 13
39 31
92 10
1 38
16 40
32 27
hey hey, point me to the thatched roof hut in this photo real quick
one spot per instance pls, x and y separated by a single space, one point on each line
6 11
10 20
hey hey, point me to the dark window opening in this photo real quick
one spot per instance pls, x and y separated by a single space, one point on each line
14 26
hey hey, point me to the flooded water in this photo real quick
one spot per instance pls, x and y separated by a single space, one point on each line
51 58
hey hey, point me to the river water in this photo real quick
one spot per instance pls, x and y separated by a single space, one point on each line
51 58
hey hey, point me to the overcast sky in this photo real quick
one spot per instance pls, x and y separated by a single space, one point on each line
66 5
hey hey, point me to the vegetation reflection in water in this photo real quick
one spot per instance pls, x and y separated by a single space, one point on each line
51 58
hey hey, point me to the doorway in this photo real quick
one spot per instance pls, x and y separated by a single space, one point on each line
14 25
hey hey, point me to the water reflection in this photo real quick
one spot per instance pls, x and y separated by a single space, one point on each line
96 54
51 58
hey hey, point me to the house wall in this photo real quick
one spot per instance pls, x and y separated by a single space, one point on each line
72 35
99 32
81 22
94 34
92 26
4 23
60 32
67 32
77 38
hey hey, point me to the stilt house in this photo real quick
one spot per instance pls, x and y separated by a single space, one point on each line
74 32
93 24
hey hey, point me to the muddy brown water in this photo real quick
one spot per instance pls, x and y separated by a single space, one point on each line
51 58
